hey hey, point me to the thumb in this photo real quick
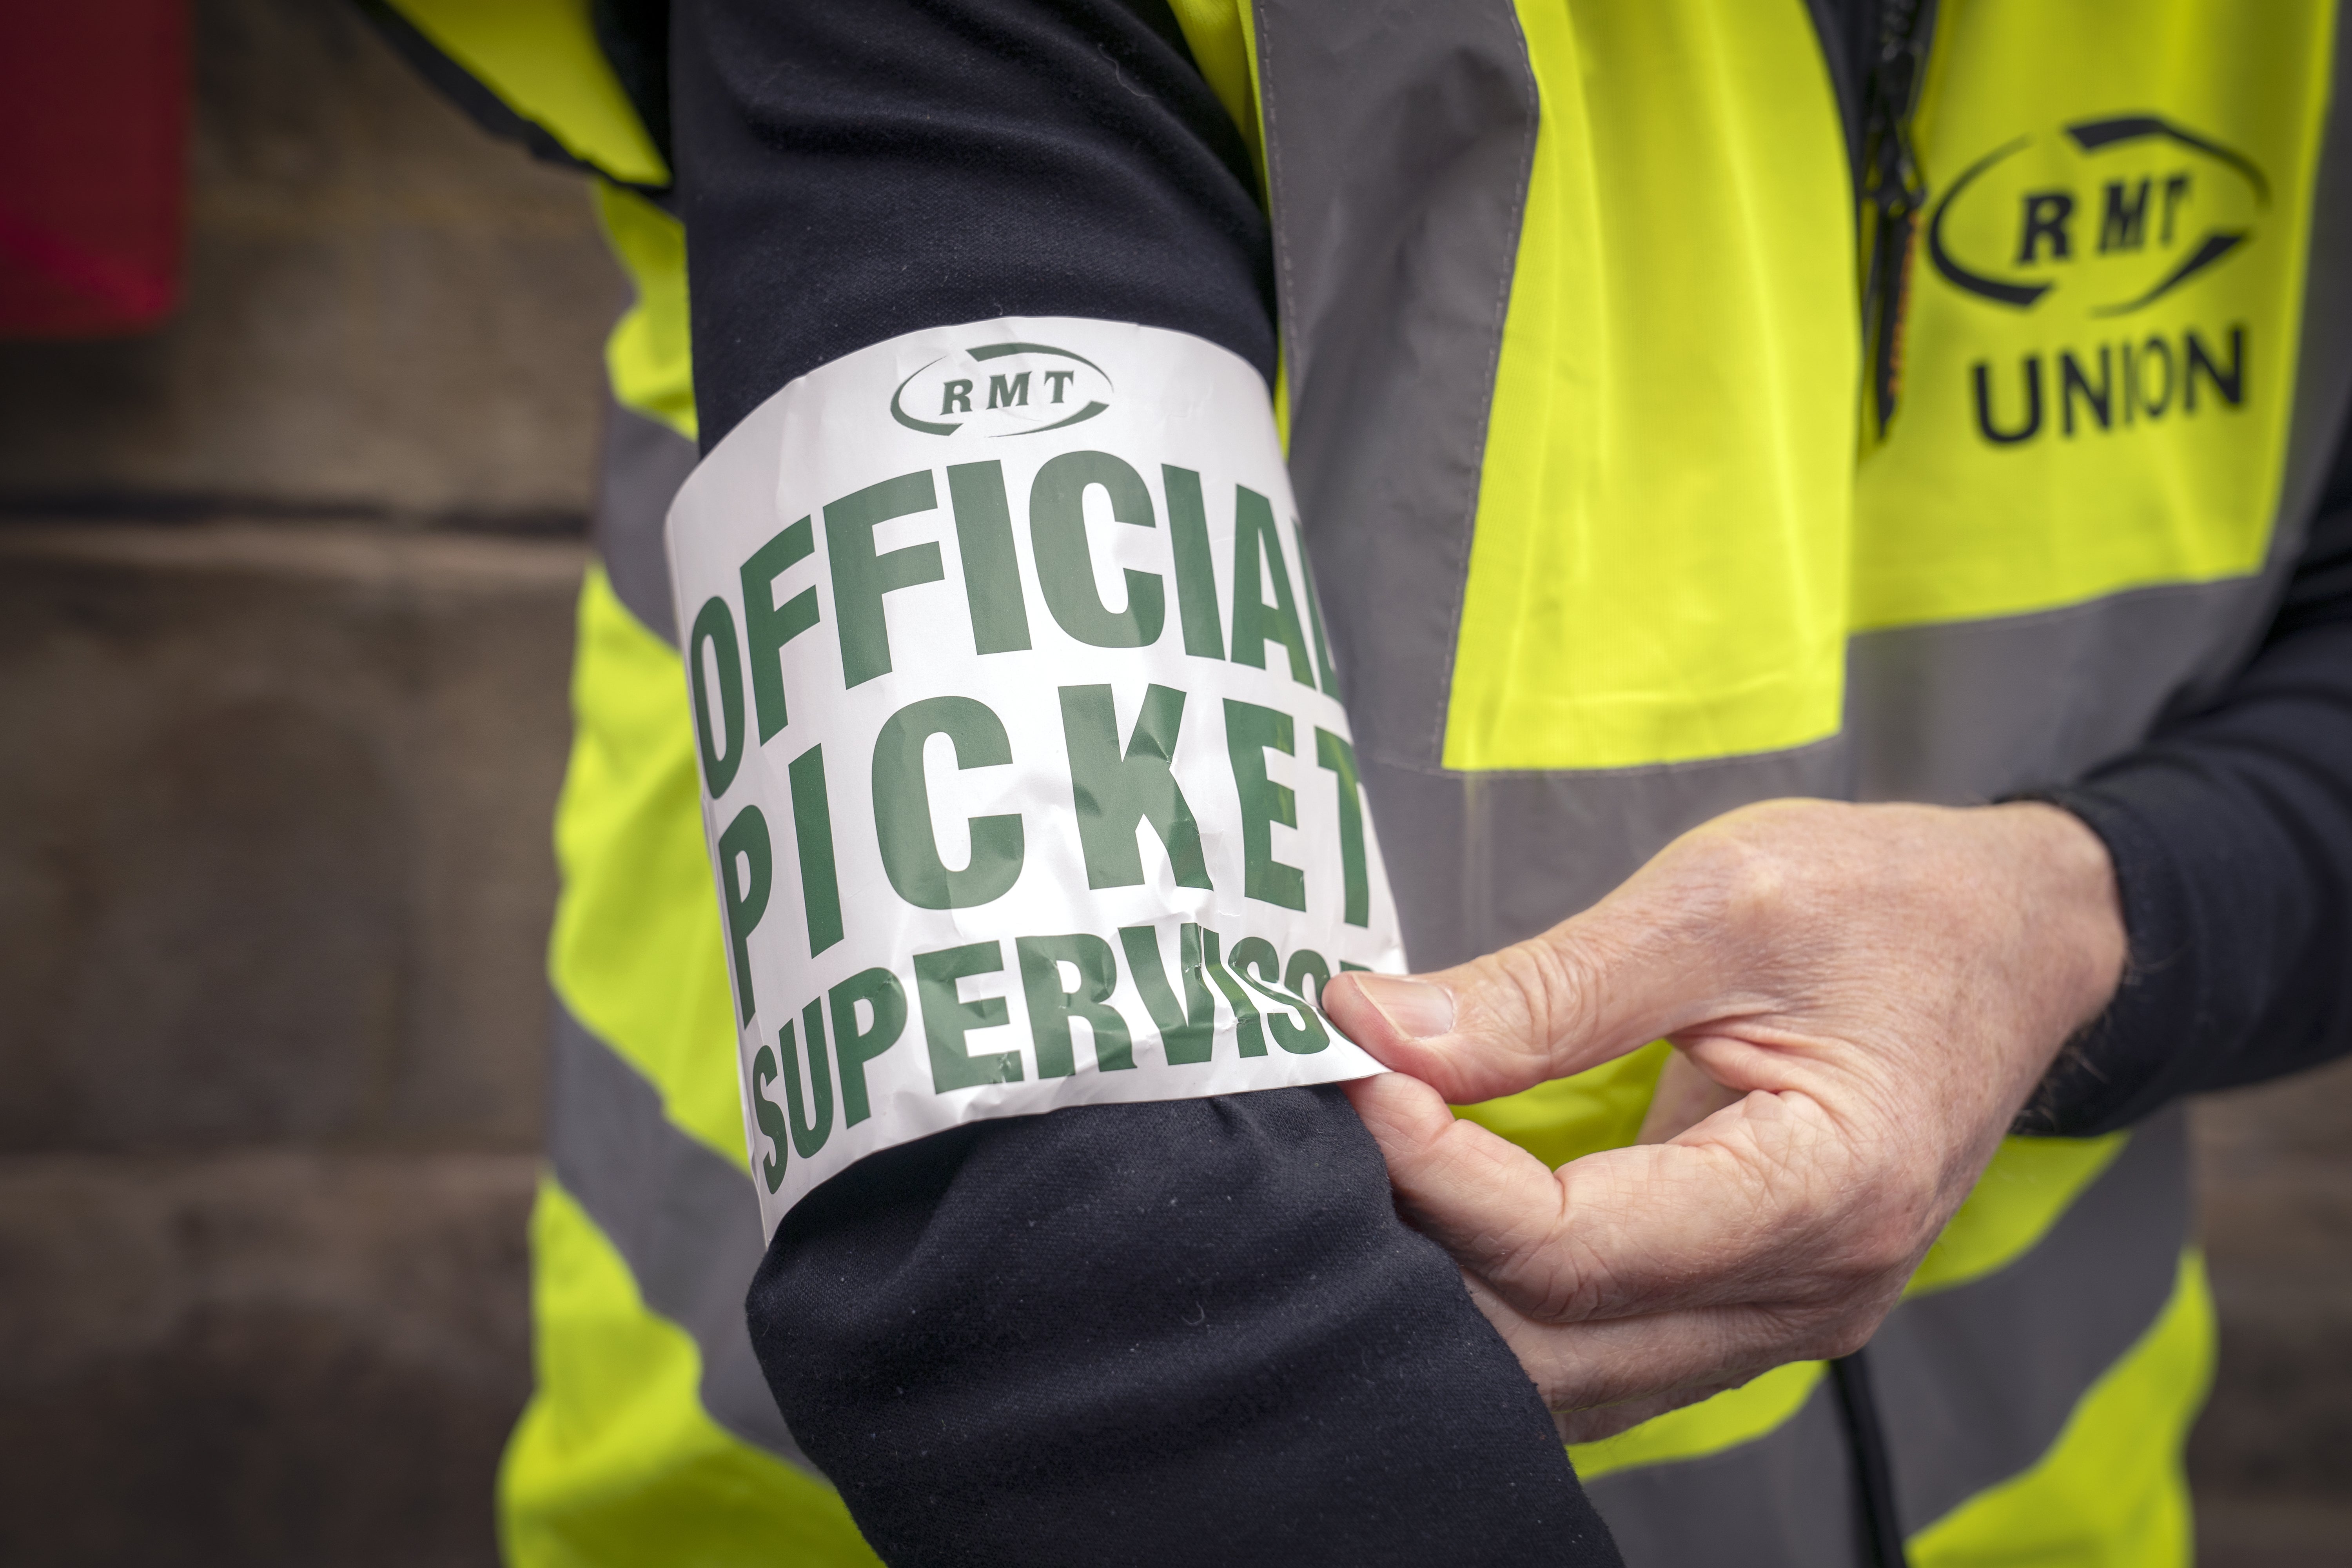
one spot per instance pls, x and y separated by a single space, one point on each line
1589 990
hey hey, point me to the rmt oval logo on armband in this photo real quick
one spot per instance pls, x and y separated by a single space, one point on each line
1003 389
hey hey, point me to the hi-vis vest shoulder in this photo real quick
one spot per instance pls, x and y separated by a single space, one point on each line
1570 298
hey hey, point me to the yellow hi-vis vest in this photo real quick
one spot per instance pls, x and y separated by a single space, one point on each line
1572 375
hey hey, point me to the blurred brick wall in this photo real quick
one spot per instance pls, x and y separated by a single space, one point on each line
285 604
2272 1457
389 314
285 598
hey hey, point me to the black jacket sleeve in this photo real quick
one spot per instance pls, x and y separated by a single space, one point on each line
1182 1332
2231 833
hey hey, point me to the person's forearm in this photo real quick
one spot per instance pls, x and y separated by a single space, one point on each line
1184 1332
2231 835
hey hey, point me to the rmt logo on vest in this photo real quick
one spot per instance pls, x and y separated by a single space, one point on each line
999 390
2141 208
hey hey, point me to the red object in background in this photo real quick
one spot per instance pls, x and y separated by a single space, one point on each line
93 164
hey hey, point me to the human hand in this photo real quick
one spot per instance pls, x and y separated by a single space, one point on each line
1861 997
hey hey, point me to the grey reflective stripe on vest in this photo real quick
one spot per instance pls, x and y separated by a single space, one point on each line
639 469
1976 1384
1479 861
1399 145
1964 712
1786 1501
1984 1375
1398 139
683 1218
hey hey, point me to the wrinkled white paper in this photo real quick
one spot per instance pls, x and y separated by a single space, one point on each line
948 601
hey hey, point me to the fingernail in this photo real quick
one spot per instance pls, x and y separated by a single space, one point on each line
1415 1008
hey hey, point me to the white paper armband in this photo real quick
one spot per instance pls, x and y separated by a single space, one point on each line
1023 771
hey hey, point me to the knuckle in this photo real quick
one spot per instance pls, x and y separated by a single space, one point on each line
1743 854
1876 1243
1548 983
1844 1338
1552 1274
1787 859
1730 877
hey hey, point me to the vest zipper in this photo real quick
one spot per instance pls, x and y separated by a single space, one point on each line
1892 191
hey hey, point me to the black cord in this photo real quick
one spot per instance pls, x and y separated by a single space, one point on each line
1874 1478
